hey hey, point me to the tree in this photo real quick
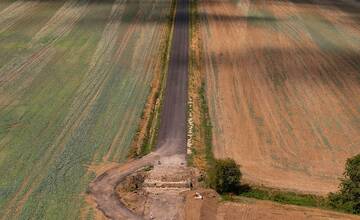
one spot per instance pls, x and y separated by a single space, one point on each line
224 176
348 197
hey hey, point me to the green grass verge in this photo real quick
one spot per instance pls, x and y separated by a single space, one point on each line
205 126
282 197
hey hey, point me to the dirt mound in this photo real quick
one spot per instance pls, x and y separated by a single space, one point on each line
130 192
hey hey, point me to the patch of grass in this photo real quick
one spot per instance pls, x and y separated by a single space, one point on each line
206 124
282 197
202 128
285 197
148 168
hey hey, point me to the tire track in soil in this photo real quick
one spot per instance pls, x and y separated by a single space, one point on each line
60 25
14 12
172 132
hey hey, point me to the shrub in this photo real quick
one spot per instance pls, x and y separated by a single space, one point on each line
224 176
348 197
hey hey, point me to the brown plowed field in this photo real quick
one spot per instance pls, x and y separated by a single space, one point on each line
283 84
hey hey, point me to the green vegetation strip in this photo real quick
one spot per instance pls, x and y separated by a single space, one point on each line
192 63
282 197
206 125
205 121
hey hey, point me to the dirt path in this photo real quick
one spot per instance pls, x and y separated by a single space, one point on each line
172 132
102 189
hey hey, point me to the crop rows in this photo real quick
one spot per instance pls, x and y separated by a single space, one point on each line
74 77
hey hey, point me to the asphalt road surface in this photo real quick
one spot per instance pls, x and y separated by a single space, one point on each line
172 131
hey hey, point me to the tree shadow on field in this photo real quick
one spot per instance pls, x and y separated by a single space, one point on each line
234 18
136 11
328 4
334 68
351 9
159 11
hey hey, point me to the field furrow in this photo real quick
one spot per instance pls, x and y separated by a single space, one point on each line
58 27
14 12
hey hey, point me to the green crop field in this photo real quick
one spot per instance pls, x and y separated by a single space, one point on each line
74 78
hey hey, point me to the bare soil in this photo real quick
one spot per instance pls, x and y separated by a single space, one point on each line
131 193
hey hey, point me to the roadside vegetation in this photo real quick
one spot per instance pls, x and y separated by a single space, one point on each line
283 197
224 176
348 197
201 125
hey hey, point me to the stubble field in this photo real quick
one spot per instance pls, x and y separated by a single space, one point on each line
74 78
283 84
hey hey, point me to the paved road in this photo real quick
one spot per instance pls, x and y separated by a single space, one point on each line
172 132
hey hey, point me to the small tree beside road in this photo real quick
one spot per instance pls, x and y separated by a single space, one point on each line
224 176
348 198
